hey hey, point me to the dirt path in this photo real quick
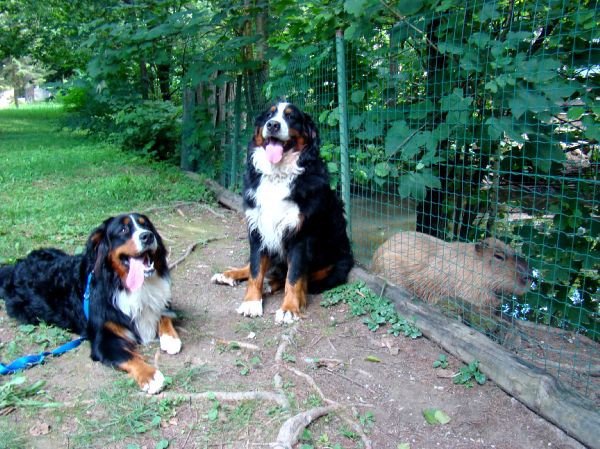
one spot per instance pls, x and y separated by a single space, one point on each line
103 409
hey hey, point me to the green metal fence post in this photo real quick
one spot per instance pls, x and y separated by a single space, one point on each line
237 112
343 124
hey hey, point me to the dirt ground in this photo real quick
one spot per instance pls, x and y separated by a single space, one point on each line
384 399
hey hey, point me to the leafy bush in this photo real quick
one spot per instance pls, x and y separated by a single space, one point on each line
151 127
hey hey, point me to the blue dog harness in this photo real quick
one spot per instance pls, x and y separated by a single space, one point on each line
35 359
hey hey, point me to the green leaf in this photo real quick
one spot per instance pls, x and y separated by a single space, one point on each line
382 169
409 7
421 109
592 130
357 96
429 179
213 414
435 416
538 70
354 7
395 136
447 47
488 11
575 112
162 444
498 126
403 446
372 358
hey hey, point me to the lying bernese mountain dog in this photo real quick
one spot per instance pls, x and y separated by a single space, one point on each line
129 294
296 224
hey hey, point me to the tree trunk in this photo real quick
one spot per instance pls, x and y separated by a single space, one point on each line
163 71
16 94
144 80
188 162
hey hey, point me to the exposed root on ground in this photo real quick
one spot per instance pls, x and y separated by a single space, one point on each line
240 344
292 428
190 249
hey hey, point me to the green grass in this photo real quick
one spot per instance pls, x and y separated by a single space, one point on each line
56 184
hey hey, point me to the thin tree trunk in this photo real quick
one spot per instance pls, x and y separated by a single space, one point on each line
144 80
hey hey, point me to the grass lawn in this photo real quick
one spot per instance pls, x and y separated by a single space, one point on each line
56 185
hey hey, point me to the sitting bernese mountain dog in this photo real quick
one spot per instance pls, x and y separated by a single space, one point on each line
296 224
129 294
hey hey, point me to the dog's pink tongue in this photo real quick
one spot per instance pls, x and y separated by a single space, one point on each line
274 152
135 277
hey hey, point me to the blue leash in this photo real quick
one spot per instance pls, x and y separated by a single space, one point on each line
35 359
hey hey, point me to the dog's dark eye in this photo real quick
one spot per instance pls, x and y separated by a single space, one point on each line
124 229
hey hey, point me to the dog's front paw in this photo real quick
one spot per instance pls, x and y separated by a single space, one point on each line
155 384
251 308
220 278
169 344
285 317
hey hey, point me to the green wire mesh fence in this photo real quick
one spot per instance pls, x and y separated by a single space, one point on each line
473 143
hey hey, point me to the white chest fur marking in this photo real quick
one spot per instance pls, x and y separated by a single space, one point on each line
146 305
274 214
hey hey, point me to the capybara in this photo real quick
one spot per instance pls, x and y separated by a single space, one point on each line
433 269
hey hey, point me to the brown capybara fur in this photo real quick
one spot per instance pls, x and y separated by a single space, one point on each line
433 269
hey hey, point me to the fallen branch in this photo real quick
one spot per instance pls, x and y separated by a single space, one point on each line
286 339
190 249
278 382
241 344
290 430
311 382
230 396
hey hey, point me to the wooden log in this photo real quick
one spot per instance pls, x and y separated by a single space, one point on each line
576 415
225 197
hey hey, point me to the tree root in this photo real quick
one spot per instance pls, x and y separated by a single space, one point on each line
292 428
190 249
241 344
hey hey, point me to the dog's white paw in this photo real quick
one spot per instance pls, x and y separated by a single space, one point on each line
283 317
155 384
251 308
220 278
169 344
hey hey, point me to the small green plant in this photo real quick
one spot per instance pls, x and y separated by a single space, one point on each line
289 357
441 362
367 420
467 374
213 413
14 393
378 310
313 401
245 368
306 438
346 432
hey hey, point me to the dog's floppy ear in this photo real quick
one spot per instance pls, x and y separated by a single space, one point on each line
310 129
260 121
97 243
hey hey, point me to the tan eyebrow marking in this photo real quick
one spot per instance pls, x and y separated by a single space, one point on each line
273 108
141 220
288 110
126 220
